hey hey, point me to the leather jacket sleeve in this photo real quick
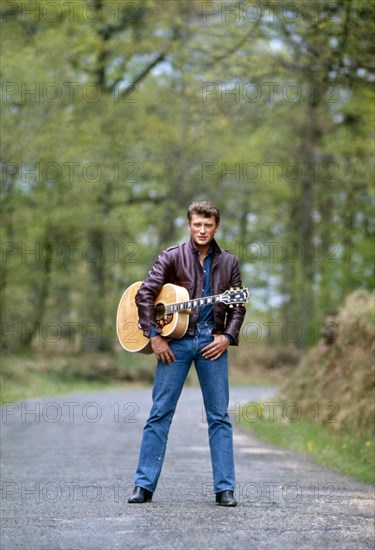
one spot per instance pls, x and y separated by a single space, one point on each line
233 316
151 287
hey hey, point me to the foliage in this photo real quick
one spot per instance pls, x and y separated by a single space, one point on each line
341 373
117 115
325 405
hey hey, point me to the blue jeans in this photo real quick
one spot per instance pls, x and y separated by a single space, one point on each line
168 384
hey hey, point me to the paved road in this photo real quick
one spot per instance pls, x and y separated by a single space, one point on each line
67 470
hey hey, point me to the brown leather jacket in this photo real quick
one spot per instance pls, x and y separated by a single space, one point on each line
180 265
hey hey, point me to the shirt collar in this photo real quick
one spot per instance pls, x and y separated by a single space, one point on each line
196 250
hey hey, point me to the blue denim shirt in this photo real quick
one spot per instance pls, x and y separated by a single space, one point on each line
206 313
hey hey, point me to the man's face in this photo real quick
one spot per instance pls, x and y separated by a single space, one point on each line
202 229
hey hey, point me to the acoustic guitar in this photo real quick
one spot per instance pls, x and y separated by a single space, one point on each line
172 309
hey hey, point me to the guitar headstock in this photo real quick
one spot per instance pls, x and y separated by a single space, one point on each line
235 296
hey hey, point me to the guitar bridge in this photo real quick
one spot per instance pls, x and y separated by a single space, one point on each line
165 320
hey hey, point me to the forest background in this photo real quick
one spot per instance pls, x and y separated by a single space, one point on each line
117 114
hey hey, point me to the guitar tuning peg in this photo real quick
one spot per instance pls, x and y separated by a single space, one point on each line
231 306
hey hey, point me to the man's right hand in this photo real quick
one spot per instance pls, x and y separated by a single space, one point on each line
162 351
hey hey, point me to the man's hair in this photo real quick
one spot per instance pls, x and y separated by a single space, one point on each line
204 208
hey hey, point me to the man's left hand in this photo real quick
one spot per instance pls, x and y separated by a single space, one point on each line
214 350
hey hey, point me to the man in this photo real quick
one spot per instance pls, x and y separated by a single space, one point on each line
204 269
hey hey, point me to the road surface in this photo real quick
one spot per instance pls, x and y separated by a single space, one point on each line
67 471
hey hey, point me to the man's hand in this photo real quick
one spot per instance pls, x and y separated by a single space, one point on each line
216 348
161 349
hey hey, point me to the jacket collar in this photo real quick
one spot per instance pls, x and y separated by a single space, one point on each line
214 247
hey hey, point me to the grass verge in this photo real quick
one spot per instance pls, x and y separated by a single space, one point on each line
351 454
30 375
45 384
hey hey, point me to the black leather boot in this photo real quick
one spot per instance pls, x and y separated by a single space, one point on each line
140 495
225 498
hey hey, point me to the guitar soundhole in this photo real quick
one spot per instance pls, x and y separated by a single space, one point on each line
159 311
161 317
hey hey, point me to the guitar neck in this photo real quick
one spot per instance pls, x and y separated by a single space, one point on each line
190 304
